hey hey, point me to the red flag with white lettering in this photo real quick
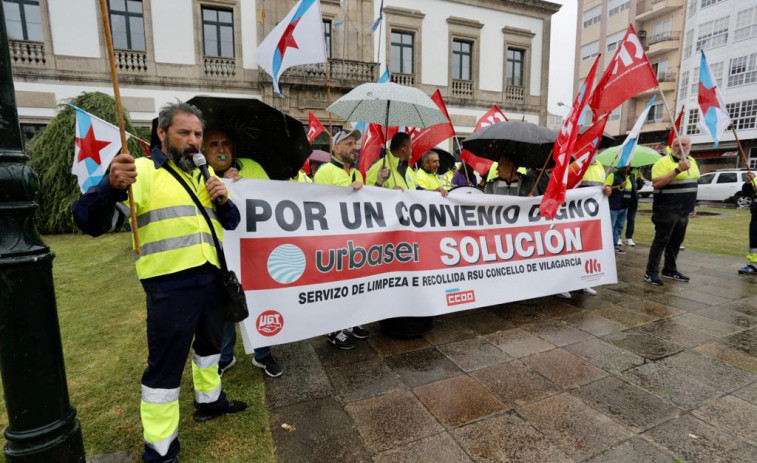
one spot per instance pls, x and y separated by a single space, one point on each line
584 151
628 74
491 117
672 134
564 145
370 148
315 127
425 139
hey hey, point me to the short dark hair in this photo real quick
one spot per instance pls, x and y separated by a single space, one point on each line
398 140
167 113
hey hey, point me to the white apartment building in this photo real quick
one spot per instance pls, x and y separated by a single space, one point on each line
727 32
478 52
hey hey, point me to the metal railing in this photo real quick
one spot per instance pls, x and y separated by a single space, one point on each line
404 79
27 52
647 5
131 60
216 66
669 76
462 88
515 94
663 37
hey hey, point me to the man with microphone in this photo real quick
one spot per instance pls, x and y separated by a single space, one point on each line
178 268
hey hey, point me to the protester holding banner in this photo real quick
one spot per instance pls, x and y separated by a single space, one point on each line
401 176
619 183
674 178
509 181
427 174
218 149
341 172
749 190
178 268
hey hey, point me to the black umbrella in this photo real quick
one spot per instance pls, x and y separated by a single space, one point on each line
524 143
260 132
446 161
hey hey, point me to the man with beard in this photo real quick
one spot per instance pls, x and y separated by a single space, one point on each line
393 171
179 271
341 172
674 178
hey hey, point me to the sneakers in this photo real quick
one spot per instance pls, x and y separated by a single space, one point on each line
678 276
682 247
748 269
619 251
630 242
565 295
620 242
235 406
589 291
340 340
653 279
269 365
357 332
223 366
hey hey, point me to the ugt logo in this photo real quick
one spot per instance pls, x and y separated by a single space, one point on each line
592 266
269 323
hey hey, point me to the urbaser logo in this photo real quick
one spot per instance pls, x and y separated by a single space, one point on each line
592 266
269 323
457 297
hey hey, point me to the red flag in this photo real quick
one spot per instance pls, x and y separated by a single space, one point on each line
425 139
584 151
492 116
479 164
566 139
628 74
672 134
145 146
370 148
315 127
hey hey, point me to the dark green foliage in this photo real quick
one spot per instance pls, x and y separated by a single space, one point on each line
52 152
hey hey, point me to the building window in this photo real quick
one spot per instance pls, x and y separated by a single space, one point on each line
127 24
402 52
684 86
327 36
613 41
692 7
616 6
689 44
590 50
515 60
746 24
706 3
218 32
462 53
695 82
661 31
692 127
743 70
655 113
743 114
592 16
713 34
615 114
22 19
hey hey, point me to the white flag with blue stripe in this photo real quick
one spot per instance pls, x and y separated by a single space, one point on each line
629 145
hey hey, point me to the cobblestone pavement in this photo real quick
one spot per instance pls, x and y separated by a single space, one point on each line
637 373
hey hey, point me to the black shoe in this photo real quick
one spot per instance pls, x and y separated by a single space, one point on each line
357 332
223 366
340 340
269 365
619 251
235 406
653 278
678 276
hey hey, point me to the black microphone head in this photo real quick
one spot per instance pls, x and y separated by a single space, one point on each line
199 159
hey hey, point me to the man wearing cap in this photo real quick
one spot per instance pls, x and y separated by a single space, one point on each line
394 171
340 171
427 174
219 151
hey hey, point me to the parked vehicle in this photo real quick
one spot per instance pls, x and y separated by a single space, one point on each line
723 185
647 190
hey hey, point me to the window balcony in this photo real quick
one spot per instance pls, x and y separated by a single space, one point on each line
462 88
216 66
131 60
649 9
342 74
663 43
403 79
515 94
27 53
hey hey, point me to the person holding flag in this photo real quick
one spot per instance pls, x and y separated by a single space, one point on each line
749 190
394 170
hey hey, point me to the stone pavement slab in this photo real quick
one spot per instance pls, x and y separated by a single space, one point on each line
519 343
732 317
362 380
564 368
748 393
709 371
514 383
594 324
557 332
474 354
644 344
670 330
605 355
729 354
745 341
458 400
733 415
636 450
422 366
667 383
447 330
440 448
310 381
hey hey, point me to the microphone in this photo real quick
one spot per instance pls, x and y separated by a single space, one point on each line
202 164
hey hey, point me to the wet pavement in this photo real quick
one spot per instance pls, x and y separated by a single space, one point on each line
637 373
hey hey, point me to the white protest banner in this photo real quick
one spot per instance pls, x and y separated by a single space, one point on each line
315 258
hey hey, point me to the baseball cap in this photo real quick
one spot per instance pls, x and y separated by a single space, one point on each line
342 134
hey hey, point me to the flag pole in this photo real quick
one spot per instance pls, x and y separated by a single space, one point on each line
543 168
465 164
741 149
119 113
673 123
328 100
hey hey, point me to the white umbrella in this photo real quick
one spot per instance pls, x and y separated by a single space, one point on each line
388 104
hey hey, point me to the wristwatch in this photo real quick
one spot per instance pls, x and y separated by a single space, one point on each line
678 171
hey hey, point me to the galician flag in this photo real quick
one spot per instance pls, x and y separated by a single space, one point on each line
713 116
97 143
298 39
625 154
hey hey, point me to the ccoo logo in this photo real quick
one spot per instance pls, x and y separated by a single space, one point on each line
269 323
592 266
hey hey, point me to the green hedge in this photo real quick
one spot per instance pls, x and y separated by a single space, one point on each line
52 152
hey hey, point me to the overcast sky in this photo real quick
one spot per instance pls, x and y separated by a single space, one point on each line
562 56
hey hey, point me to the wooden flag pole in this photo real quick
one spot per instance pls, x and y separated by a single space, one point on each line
119 112
544 167
741 149
684 155
328 100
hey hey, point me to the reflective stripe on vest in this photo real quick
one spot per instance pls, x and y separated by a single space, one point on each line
173 234
159 411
